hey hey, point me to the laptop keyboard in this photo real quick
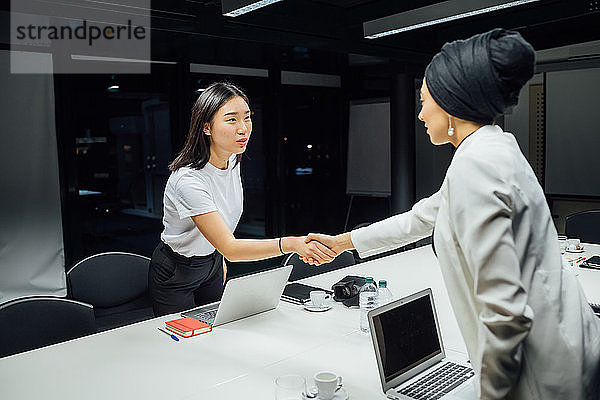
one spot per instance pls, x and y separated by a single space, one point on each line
437 383
208 317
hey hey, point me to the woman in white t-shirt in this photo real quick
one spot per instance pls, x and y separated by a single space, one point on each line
202 207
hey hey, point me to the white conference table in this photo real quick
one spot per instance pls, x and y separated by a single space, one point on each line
240 359
589 278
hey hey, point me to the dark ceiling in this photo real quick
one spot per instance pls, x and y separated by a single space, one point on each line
335 26
324 32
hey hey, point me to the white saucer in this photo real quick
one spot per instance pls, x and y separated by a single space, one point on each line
309 307
575 251
339 395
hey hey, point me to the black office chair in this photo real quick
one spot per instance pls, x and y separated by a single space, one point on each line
31 322
584 225
116 284
302 270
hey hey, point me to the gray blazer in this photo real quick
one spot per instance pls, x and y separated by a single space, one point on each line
528 328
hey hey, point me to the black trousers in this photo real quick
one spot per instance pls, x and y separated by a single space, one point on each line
177 283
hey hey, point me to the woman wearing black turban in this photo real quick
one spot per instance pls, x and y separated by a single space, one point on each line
528 328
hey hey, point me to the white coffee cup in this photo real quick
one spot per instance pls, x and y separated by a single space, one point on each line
318 298
573 244
327 382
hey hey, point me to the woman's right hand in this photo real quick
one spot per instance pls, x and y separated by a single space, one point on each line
337 243
311 252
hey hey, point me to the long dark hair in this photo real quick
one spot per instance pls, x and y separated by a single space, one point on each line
196 152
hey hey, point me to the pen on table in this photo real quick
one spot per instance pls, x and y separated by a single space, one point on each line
169 334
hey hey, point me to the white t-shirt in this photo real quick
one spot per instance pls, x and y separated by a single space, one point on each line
192 192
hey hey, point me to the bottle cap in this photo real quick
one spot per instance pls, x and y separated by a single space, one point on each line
369 279
383 283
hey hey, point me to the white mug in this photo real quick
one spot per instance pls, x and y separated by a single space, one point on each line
573 244
318 297
327 382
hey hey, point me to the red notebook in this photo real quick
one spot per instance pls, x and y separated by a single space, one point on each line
187 327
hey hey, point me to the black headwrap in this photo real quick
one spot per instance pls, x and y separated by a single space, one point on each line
478 79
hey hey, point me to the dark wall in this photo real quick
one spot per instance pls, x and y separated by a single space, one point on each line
111 202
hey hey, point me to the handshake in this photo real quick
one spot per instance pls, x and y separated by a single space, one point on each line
317 249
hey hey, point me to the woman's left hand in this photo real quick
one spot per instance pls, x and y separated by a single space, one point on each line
224 271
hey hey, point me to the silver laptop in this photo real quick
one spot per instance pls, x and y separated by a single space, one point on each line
410 355
244 296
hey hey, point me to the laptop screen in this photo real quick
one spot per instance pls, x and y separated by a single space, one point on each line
406 336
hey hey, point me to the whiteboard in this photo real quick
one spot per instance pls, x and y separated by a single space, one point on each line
369 165
31 236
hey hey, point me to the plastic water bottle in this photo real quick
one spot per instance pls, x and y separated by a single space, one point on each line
384 294
368 301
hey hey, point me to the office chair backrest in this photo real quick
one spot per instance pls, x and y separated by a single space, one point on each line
302 270
32 322
584 225
109 279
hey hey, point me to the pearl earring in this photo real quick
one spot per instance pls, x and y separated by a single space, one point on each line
450 128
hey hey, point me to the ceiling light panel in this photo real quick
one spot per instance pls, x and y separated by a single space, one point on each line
434 14
234 8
